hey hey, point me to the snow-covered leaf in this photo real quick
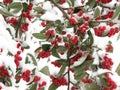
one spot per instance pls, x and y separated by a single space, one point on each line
33 86
32 58
45 70
5 12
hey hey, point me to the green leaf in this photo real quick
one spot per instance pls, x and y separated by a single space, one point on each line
8 82
16 6
62 69
54 53
33 86
61 61
25 45
45 70
61 49
39 35
5 12
33 59
46 47
27 60
52 87
91 3
80 75
96 12
71 2
25 6
92 86
118 70
116 13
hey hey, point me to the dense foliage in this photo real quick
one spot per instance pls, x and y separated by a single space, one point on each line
69 29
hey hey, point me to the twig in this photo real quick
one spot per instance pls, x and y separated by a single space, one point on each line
18 26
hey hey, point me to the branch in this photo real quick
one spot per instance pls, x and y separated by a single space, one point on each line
60 8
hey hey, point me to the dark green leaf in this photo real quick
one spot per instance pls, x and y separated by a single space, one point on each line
52 87
46 47
39 35
45 70
5 12
33 86
92 86
96 12
61 61
54 53
27 60
33 59
61 49
25 6
91 40
62 69
10 53
118 70
116 13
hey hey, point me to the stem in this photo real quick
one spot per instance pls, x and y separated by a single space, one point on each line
18 25
60 8
68 55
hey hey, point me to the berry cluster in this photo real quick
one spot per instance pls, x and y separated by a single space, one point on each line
24 27
26 14
62 1
59 81
110 83
113 31
84 27
73 20
76 57
42 84
36 78
44 54
3 72
44 23
109 15
7 1
99 30
26 75
73 39
56 64
50 32
107 62
86 80
109 48
13 21
104 1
